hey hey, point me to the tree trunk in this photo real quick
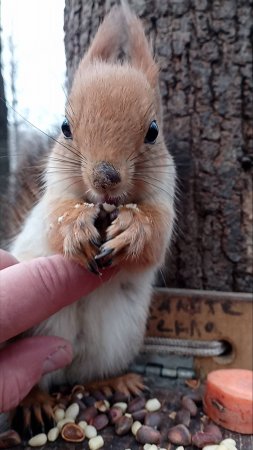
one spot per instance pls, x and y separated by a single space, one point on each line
204 49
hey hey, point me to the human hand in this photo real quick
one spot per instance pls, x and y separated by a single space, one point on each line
29 293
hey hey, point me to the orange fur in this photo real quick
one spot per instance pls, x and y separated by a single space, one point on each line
112 106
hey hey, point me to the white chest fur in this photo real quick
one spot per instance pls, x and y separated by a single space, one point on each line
105 328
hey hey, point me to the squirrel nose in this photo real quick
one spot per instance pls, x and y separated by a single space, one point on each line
105 175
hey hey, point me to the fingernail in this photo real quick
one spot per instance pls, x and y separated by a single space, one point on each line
57 359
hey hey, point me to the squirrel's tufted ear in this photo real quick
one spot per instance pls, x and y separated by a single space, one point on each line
121 37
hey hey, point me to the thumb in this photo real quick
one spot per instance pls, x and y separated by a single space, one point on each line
22 364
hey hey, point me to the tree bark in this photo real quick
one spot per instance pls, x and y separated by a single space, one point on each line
204 49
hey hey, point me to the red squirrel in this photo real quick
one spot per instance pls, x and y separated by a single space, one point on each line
111 151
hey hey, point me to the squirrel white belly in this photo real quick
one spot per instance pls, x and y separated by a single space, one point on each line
112 150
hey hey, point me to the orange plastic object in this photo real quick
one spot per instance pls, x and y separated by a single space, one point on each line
228 399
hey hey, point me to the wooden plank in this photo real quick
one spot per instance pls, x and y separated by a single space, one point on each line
206 315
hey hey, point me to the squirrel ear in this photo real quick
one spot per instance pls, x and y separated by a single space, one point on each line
122 34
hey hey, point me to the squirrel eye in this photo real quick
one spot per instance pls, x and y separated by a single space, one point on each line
152 133
66 129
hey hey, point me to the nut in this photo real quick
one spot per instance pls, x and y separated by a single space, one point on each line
59 414
147 434
179 435
153 405
63 422
88 414
102 405
38 440
82 424
135 427
183 416
53 434
100 421
190 405
153 419
89 400
215 431
139 415
136 404
72 411
211 447
90 431
202 438
96 442
121 405
114 414
71 432
9 438
123 425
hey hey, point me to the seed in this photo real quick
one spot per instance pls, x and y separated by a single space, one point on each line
136 404
88 414
139 415
38 440
135 427
90 431
89 400
62 422
147 434
183 416
123 425
78 388
71 432
190 405
153 419
98 395
121 405
9 438
96 442
201 438
100 421
102 405
72 411
153 405
179 448
229 441
179 435
147 446
82 424
211 428
108 207
114 414
59 414
53 434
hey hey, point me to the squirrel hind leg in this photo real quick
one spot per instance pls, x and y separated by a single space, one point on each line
127 384
34 415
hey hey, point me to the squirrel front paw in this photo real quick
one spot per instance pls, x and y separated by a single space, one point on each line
126 237
75 235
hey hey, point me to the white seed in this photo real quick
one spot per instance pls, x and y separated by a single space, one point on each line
62 422
108 207
122 406
147 446
211 447
153 405
128 415
38 440
135 427
90 432
179 448
53 434
83 424
96 442
153 447
59 414
72 411
226 447
228 441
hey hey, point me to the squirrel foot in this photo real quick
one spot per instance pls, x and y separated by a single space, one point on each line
128 384
34 414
